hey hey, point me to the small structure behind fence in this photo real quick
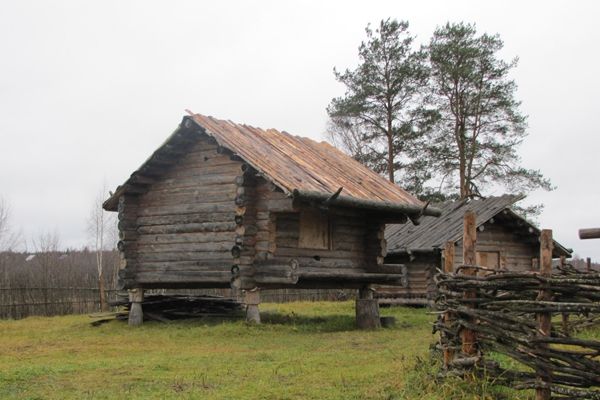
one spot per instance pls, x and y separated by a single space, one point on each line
511 313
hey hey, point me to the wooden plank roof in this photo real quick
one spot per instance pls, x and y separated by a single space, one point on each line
433 233
294 164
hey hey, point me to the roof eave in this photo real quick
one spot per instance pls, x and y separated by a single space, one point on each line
410 210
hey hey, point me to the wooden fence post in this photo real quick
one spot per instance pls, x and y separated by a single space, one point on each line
565 316
468 337
544 318
448 268
588 264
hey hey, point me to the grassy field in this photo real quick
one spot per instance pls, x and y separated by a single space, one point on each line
301 351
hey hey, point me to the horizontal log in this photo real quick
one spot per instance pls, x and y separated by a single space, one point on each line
176 171
193 237
182 276
201 217
210 246
201 265
280 205
180 191
179 230
219 207
214 179
353 202
354 277
276 271
590 233
184 256
167 201
323 254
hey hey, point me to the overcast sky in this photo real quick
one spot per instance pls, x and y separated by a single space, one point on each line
88 89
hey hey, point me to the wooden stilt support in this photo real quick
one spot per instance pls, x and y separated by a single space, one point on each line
252 300
136 314
367 310
544 319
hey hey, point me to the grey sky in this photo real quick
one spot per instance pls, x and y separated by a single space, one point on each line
89 89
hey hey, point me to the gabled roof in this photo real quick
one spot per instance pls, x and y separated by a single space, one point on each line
433 233
299 166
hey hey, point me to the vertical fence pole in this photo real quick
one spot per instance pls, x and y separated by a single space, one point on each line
468 337
544 318
565 316
588 264
448 268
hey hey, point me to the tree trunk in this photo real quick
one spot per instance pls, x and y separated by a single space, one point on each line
462 167
390 152
102 291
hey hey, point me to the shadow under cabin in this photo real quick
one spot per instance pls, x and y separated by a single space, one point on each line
221 205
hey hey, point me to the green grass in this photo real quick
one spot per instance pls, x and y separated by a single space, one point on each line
301 351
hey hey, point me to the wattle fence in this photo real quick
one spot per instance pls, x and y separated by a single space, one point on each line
537 319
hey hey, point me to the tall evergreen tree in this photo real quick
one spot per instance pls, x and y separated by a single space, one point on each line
376 120
479 126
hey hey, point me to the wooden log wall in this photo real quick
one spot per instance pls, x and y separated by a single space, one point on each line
515 253
184 229
356 245
127 214
421 287
269 202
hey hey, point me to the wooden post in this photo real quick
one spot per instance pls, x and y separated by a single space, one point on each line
591 233
252 300
448 268
544 319
468 337
136 314
588 264
565 316
367 309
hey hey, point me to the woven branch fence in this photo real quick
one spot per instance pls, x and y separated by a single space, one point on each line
534 318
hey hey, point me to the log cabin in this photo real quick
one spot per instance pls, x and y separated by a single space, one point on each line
505 240
221 204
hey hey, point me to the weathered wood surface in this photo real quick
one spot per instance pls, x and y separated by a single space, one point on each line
182 229
514 255
448 317
545 319
590 233
252 301
136 315
468 336
434 232
367 310
302 163
513 317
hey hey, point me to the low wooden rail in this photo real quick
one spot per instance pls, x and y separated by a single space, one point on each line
21 302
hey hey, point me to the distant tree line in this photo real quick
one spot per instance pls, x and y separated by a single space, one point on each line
442 120
33 270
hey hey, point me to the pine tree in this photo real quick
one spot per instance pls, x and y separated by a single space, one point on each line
478 127
377 119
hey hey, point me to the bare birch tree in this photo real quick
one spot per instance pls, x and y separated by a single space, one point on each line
8 238
101 229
